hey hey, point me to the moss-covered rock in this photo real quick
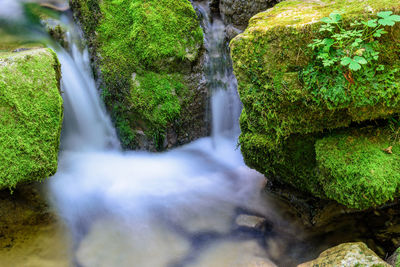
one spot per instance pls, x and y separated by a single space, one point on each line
349 255
31 114
355 169
149 54
282 118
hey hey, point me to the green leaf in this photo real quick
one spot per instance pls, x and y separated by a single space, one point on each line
385 14
354 66
387 19
360 60
379 33
371 23
333 18
346 61
336 17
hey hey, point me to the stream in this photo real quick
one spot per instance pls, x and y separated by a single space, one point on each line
179 208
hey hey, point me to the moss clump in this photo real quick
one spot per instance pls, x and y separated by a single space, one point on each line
356 171
30 116
144 48
282 117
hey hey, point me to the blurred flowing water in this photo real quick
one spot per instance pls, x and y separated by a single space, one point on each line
127 208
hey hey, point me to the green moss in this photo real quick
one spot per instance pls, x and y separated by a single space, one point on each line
354 169
282 119
154 40
156 96
30 116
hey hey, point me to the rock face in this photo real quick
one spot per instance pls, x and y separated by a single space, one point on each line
239 12
149 57
347 255
299 138
31 115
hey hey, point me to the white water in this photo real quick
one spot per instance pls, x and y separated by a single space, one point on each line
152 210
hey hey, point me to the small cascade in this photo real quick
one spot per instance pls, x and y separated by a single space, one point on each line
225 103
87 126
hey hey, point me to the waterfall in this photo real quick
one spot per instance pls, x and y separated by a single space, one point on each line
142 202
225 103
86 124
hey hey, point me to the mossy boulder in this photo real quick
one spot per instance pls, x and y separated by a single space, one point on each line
31 115
282 119
149 58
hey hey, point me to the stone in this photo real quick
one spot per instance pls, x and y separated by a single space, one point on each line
239 12
244 220
161 42
285 126
31 115
347 255
394 259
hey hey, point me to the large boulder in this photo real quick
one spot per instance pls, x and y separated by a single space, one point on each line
149 57
283 119
31 114
347 255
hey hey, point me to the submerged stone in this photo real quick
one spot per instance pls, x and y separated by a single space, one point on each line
31 115
282 118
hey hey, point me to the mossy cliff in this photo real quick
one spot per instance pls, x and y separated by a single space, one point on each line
149 56
294 135
31 114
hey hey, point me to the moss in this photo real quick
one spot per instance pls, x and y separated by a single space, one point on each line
282 119
155 40
354 169
30 116
156 95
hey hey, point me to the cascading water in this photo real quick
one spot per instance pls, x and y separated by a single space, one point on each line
123 208
225 103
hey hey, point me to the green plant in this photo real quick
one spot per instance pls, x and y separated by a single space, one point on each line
352 47
346 55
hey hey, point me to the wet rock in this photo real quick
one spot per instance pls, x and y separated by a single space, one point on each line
394 259
231 32
249 221
169 99
347 255
239 12
57 31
